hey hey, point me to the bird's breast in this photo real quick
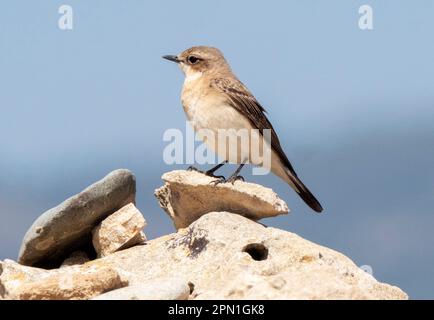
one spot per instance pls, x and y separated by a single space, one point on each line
210 112
207 110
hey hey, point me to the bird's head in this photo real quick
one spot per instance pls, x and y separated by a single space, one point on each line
196 61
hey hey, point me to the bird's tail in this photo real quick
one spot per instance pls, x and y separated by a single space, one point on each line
304 192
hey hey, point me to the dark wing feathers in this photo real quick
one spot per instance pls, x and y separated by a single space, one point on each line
242 100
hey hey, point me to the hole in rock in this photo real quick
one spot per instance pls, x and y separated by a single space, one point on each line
257 251
191 285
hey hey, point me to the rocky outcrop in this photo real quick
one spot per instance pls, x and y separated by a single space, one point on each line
226 256
219 255
67 227
187 195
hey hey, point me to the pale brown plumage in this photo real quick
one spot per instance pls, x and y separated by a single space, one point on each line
209 77
241 99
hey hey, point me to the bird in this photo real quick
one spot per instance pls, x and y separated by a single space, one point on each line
214 99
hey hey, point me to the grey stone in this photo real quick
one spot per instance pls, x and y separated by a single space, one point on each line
67 227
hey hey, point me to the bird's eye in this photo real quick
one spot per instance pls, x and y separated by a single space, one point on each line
193 59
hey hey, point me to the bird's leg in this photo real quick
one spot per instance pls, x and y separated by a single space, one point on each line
234 177
211 171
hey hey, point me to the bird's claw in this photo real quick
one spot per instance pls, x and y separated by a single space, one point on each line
232 179
219 180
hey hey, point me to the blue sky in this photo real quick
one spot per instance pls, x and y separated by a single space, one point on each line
354 111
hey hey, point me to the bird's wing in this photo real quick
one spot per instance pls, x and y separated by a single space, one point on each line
242 100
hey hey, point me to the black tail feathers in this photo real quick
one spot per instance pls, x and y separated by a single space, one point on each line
305 194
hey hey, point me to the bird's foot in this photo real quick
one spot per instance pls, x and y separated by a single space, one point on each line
231 179
219 180
209 173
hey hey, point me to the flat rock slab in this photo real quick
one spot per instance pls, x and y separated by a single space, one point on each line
156 289
187 195
63 229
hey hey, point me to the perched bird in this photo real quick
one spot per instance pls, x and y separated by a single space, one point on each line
213 99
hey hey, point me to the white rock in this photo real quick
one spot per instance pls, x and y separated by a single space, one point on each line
227 256
120 230
222 255
187 195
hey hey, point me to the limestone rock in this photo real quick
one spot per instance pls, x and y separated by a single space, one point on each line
120 230
139 239
226 256
157 289
13 275
221 256
77 257
77 282
63 229
187 195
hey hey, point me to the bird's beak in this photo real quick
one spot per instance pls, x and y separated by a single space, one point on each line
172 58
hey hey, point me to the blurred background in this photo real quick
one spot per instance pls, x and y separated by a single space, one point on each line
354 111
